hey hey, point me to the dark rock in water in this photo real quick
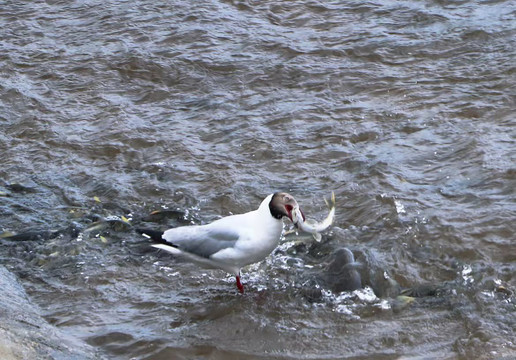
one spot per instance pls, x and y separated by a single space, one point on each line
33 235
421 290
312 294
348 271
311 290
341 274
375 275
345 273
24 334
72 230
165 214
19 188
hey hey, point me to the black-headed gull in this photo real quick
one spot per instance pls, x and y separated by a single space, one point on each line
232 242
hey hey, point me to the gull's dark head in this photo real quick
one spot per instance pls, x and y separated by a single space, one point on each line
282 204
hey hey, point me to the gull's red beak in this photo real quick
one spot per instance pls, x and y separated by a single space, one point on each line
289 209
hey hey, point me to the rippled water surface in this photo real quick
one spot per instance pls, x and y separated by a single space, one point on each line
110 110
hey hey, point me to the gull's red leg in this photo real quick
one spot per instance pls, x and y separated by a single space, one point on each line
239 284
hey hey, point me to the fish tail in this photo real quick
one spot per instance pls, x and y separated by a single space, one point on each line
332 200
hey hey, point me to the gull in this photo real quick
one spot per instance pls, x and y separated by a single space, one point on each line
232 242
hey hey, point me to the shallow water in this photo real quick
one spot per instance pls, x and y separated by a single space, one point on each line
405 109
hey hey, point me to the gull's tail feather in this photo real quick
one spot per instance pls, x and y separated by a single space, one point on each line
155 235
168 248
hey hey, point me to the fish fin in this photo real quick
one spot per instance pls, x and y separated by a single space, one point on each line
288 232
317 236
332 201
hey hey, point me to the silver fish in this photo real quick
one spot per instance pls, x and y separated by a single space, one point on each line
311 226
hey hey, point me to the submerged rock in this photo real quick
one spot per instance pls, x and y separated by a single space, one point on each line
37 235
376 275
24 334
22 188
346 270
31 235
341 274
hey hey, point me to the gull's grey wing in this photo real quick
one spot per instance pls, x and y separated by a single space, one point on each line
202 241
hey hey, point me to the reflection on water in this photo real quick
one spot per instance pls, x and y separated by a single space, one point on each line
112 110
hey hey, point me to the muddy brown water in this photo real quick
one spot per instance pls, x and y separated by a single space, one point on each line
406 109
